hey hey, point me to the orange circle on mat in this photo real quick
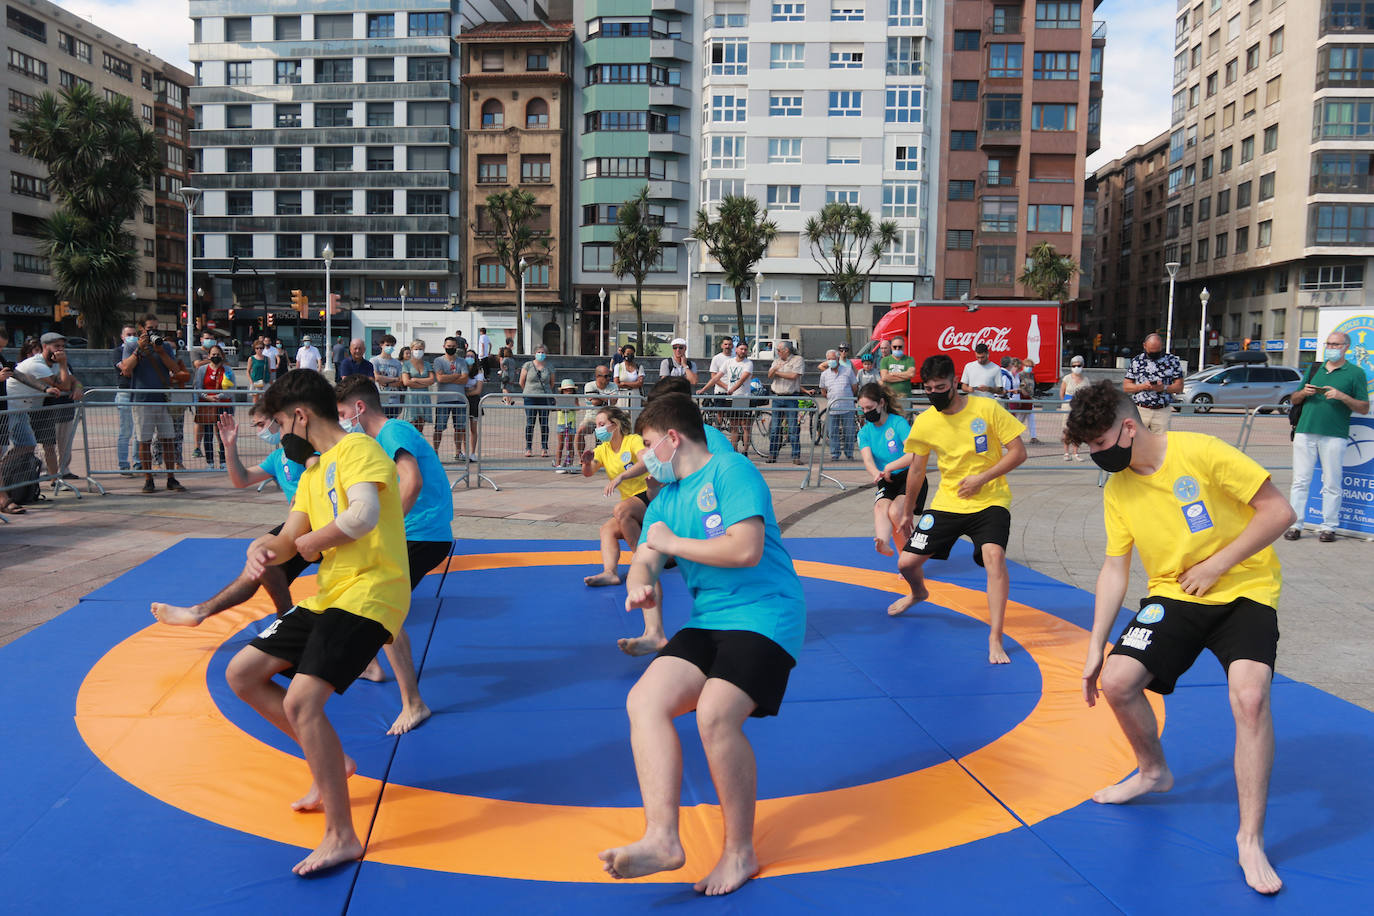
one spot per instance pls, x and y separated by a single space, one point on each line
156 725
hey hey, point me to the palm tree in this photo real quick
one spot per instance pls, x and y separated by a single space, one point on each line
736 240
1048 273
100 160
511 235
847 245
638 248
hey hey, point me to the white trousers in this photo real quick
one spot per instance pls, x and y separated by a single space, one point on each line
1307 448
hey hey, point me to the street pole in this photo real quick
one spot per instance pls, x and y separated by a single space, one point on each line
1202 337
520 333
690 244
190 196
1172 267
401 342
601 341
775 322
758 299
328 254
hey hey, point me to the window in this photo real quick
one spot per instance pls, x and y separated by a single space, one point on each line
1220 245
381 70
784 197
845 103
1340 224
342 244
1332 276
1203 247
1056 65
536 114
1056 15
959 239
381 25
1214 42
433 114
537 61
119 67
846 11
1266 186
1232 70
1266 234
1054 117
1002 112
238 73
1049 218
538 168
334 70
956 288
1226 160
1209 127
1233 28
433 24
787 56
1271 91
287 203
335 115
966 39
68 80
960 189
381 159
426 69
997 214
789 12
729 108
380 203
29 186
963 139
288 159
964 90
1228 115
906 13
901 199
902 105
26 25
727 152
781 150
333 203
285 28
598 256
1223 202
906 159
730 56
26 65
784 104
1276 42
538 274
380 246
74 47
1211 84
334 25
1004 61
846 57
1207 166
426 203
238 159
1204 209
1243 191
287 72
237 116
1252 57
240 246
840 150
492 274
493 115
1242 239
288 246
381 114
842 196
904 56
333 158
427 158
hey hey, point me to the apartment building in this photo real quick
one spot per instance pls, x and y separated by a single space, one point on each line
49 49
172 123
1021 97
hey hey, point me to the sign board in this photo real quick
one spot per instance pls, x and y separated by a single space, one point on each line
24 308
1307 344
1357 472
1231 346
1275 344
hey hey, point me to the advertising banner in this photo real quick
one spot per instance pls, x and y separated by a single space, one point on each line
1019 331
1357 477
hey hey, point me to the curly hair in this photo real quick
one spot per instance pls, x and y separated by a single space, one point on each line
1095 409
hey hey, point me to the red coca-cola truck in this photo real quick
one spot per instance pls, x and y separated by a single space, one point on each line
1016 328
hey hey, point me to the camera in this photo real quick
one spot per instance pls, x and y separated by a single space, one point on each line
155 339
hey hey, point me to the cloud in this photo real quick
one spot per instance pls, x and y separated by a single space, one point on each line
164 29
1137 73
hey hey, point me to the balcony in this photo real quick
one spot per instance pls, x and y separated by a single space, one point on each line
1355 22
1099 30
1341 184
995 279
999 27
1002 132
997 224
997 180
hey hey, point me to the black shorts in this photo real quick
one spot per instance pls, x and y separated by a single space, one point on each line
424 557
643 496
749 660
332 645
936 531
293 567
891 489
1168 635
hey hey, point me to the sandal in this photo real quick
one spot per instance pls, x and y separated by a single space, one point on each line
13 508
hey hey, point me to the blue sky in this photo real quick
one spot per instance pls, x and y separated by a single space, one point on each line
1137 69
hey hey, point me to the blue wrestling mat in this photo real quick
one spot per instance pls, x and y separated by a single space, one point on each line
904 771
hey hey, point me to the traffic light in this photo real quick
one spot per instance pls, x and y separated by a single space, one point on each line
183 314
231 314
1097 341
300 302
61 310
334 306
271 321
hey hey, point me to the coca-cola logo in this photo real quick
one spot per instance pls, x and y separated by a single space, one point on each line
951 338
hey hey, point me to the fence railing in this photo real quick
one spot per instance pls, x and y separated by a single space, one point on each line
49 433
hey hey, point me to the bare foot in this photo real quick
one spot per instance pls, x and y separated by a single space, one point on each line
997 655
373 672
311 801
641 645
643 858
883 547
1135 786
602 578
730 873
175 616
1259 874
408 719
331 851
902 605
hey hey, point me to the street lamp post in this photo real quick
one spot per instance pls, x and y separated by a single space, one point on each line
1172 267
601 341
776 335
758 299
401 342
1202 337
190 196
328 255
690 243
520 332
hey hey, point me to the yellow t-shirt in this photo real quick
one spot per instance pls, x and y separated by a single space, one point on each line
1195 504
968 442
369 577
617 460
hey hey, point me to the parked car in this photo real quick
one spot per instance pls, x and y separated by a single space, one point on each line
1241 386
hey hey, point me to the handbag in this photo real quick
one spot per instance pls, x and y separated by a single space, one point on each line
1295 410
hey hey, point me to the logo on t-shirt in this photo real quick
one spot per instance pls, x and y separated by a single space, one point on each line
714 525
625 458
979 426
706 498
1151 613
1186 489
890 434
1195 514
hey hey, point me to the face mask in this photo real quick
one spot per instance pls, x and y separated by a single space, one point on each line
269 435
1153 356
603 434
131 339
217 360
417 354
1332 354
1114 459
897 351
207 342
450 350
540 357
940 399
386 351
659 470
1077 370
873 416
471 361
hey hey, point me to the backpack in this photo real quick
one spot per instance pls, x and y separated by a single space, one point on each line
20 475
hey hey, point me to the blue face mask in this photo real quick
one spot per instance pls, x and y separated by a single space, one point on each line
131 339
471 361
539 357
271 436
603 434
353 424
660 470
1333 353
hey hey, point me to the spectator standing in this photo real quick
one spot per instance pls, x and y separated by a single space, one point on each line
868 375
483 344
257 369
837 380
598 393
1152 380
211 381
337 354
1335 389
272 353
356 362
472 392
717 372
629 378
536 384
151 363
1027 378
38 381
738 372
982 377
307 357
785 382
450 374
7 505
678 364
897 369
416 380
1069 385
125 440
387 374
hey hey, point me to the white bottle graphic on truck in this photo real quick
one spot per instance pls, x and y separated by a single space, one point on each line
1033 340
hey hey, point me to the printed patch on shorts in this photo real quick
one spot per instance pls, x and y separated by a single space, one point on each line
926 522
1137 638
1195 514
920 541
1151 613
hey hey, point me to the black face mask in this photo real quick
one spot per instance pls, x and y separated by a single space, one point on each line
873 416
940 399
297 448
450 350
1154 356
217 360
1115 459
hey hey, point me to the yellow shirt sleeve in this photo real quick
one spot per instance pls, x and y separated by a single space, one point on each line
1119 540
1236 472
366 461
914 444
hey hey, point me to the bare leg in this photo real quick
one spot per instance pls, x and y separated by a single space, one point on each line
232 595
1249 682
882 527
304 708
999 585
1123 684
50 458
413 708
668 688
909 565
721 712
895 513
610 555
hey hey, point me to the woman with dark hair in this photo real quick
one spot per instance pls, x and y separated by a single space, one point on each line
881 442
508 374
617 450
536 385
212 378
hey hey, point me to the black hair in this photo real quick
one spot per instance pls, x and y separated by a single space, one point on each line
358 388
388 339
673 411
670 384
881 393
302 388
1095 409
937 367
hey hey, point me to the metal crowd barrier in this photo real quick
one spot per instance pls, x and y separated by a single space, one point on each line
54 430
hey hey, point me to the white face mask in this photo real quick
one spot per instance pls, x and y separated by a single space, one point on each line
1077 370
418 354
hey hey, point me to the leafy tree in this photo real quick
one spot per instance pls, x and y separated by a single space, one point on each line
736 240
638 247
1049 274
847 245
100 160
511 236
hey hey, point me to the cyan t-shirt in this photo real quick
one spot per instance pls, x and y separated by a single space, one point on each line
717 443
885 442
284 471
766 598
431 518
